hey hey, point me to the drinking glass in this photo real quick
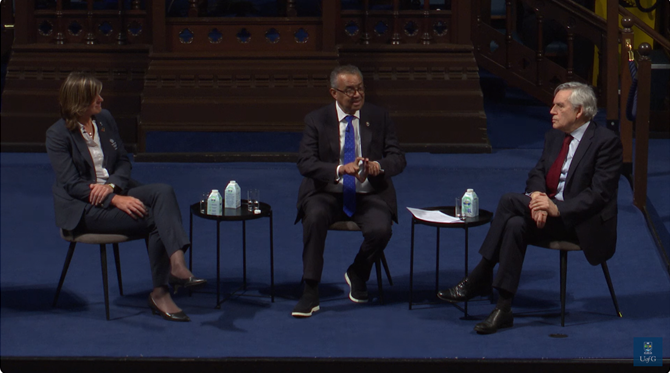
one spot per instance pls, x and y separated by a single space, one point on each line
458 213
203 203
253 197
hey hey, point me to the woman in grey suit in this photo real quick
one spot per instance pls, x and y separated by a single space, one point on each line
93 191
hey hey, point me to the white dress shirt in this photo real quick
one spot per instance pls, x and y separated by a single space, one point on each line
364 187
94 148
576 139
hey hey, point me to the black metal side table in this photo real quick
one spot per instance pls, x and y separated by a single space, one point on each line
239 214
483 218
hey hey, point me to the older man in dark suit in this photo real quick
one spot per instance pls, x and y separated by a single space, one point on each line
348 155
571 194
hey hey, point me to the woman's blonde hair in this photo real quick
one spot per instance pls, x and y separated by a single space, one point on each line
77 93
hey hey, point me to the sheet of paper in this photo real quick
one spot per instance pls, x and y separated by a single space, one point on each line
433 216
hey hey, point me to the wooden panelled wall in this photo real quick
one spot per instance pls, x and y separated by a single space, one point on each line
247 74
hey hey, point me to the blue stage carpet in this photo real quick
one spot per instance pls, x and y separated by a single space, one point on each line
32 256
658 196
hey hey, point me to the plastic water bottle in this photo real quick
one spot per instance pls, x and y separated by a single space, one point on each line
233 198
215 203
470 204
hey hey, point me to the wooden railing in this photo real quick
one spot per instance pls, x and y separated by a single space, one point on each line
642 128
635 136
407 26
657 36
65 24
530 67
146 22
366 25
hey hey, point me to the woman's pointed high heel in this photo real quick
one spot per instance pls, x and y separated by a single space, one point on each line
190 282
179 316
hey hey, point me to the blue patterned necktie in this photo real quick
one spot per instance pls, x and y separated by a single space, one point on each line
349 182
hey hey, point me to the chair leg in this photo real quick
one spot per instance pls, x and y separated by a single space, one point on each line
68 259
564 273
386 268
117 260
103 262
606 271
379 280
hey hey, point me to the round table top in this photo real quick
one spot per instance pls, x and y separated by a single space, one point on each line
484 217
237 214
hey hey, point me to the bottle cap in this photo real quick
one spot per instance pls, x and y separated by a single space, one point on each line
470 190
215 190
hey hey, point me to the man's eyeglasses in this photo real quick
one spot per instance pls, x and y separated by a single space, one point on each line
352 91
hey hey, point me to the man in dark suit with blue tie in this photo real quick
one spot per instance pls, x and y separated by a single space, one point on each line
571 194
348 155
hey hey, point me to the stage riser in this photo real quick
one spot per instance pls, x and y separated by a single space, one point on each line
133 365
34 75
432 92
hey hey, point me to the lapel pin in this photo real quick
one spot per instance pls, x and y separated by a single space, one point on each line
367 124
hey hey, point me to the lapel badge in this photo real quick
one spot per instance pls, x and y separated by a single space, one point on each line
367 124
102 127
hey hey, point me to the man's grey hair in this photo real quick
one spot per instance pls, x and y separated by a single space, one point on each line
344 69
581 95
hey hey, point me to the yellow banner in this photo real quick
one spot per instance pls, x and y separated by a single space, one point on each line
639 35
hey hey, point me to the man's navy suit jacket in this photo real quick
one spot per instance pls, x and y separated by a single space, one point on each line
320 152
589 203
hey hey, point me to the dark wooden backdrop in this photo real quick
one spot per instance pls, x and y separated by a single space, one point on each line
203 73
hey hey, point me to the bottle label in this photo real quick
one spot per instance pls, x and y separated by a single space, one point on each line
214 205
467 206
233 197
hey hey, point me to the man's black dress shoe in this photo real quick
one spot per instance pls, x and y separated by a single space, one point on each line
358 289
464 291
498 319
190 282
307 305
179 316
